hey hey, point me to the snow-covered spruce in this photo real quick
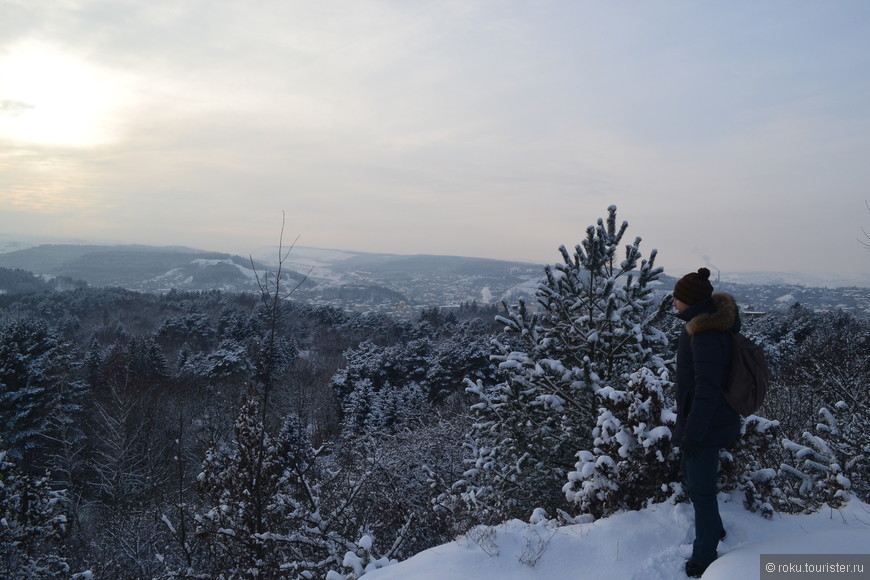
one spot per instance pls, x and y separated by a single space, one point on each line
358 562
394 388
748 466
592 330
631 461
822 468
32 525
41 402
262 516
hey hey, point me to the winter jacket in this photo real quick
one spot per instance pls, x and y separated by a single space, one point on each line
703 357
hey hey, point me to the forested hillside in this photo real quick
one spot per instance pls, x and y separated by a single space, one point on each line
353 280
387 283
123 399
227 435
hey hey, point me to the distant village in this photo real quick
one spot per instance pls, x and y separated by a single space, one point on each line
451 293
764 298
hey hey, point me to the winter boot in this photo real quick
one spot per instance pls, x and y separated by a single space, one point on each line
695 569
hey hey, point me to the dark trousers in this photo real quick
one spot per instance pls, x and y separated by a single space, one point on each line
701 474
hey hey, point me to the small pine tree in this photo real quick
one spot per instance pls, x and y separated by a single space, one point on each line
744 467
32 524
822 468
592 330
266 516
240 484
358 562
632 461
847 429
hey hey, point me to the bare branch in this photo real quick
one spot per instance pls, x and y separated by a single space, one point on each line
866 235
266 293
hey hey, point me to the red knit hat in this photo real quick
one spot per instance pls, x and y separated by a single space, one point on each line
694 287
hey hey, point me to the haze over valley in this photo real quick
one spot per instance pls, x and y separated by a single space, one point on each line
392 283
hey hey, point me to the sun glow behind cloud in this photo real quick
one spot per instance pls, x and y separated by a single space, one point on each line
50 98
472 127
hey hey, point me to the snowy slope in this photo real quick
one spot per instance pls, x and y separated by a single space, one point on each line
651 544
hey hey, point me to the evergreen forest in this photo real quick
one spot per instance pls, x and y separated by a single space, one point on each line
253 435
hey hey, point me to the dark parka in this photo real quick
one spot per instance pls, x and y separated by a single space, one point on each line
703 356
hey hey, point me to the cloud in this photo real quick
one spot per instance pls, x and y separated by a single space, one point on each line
14 108
464 127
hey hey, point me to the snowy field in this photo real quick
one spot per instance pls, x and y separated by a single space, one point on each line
651 544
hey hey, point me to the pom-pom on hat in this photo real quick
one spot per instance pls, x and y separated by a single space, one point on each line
694 287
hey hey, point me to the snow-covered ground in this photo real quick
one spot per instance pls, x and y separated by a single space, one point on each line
651 544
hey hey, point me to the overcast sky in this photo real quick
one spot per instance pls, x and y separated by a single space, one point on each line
733 134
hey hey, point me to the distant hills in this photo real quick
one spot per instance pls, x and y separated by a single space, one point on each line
366 281
133 267
328 276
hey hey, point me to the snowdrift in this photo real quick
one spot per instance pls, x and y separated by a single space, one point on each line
650 544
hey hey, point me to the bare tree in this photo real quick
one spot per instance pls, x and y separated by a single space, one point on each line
271 295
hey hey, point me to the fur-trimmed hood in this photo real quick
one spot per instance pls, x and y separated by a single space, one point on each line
723 318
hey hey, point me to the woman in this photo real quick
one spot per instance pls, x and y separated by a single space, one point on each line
705 423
